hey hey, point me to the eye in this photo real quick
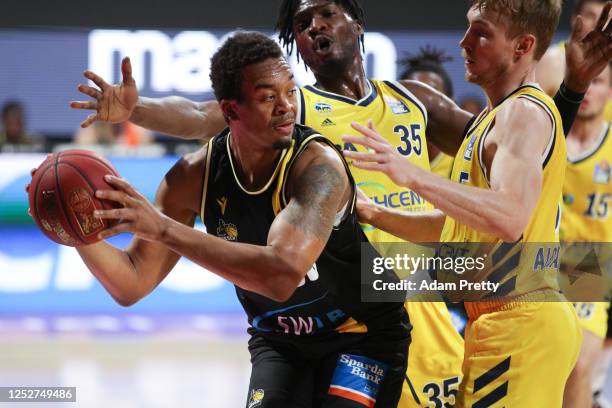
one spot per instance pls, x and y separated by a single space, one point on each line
301 25
293 92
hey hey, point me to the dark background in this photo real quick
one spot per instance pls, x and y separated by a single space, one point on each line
381 14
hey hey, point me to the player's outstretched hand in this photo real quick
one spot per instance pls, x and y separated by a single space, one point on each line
112 103
137 214
587 57
381 156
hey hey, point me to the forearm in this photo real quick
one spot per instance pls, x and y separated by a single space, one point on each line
259 269
488 211
115 271
416 227
177 116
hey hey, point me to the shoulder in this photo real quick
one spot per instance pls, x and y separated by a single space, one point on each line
183 183
319 166
523 123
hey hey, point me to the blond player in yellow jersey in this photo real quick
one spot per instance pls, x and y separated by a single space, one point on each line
587 197
506 187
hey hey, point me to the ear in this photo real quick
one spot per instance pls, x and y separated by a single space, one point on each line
524 45
228 107
359 27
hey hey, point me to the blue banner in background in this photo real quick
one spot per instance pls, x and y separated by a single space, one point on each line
38 276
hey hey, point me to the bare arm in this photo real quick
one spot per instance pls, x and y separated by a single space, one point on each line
131 274
178 116
295 241
175 116
418 227
447 121
513 155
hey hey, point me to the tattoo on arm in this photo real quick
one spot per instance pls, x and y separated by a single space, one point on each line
317 193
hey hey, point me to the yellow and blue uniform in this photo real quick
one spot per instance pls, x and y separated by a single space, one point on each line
587 197
436 351
442 165
518 351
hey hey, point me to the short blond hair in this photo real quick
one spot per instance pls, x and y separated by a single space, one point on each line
537 17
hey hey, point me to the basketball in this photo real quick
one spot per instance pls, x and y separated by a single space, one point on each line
62 200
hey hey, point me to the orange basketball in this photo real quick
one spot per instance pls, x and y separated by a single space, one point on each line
62 199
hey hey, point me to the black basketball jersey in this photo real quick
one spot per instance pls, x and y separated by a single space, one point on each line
329 298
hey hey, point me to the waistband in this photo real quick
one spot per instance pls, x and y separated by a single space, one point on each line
475 309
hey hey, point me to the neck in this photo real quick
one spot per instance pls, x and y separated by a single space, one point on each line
505 84
253 162
349 81
584 133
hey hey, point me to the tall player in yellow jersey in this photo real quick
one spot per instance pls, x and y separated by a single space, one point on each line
506 186
551 67
587 197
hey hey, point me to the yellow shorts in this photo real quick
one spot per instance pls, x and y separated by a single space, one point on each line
593 317
434 358
519 354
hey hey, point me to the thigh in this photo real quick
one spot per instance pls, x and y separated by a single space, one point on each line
520 357
278 378
367 374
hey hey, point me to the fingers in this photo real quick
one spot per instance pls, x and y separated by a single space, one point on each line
368 166
88 90
126 71
84 105
369 157
89 120
117 229
603 17
576 29
363 141
96 79
121 184
114 195
114 214
369 132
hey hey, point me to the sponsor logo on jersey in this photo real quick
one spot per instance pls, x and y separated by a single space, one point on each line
602 173
357 378
568 199
222 204
256 397
328 122
227 231
397 107
323 108
470 148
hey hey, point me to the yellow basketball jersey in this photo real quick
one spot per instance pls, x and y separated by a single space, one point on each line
397 115
542 227
587 193
442 165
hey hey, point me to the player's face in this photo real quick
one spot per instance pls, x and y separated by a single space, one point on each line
326 35
596 97
590 12
486 49
430 78
269 105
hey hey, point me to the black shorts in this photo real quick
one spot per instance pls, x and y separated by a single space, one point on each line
340 370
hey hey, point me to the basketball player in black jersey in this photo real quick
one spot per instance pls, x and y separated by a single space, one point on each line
279 206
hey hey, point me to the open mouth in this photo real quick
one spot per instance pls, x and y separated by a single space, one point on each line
322 44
